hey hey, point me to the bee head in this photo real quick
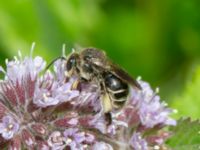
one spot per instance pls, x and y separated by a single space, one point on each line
72 62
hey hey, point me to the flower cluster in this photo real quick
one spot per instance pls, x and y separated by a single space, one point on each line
46 110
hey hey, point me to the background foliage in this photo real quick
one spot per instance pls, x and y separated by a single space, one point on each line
158 40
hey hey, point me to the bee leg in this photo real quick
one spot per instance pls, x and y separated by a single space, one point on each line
106 104
108 118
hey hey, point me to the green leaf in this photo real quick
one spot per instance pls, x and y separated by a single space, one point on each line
188 102
186 135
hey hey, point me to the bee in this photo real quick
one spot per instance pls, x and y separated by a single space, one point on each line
93 65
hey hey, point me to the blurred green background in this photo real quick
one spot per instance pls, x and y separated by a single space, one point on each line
158 40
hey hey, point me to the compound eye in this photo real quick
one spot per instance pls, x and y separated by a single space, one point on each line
72 62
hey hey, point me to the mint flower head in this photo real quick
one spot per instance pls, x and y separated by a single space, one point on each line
46 110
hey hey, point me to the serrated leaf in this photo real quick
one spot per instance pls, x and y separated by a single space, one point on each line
186 135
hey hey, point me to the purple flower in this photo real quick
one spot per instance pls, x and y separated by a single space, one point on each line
89 98
43 98
99 122
56 141
59 68
151 111
102 146
49 92
19 69
137 142
66 92
154 113
89 138
74 138
47 110
8 127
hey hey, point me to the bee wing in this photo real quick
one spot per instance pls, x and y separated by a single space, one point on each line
124 76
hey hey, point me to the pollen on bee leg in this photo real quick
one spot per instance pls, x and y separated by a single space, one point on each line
68 73
75 85
107 105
